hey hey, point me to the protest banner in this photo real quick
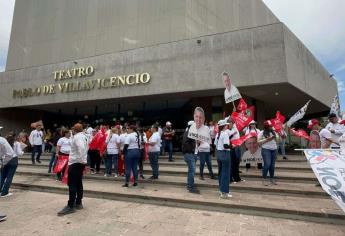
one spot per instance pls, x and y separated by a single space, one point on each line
298 115
329 168
231 93
199 131
300 133
278 122
335 106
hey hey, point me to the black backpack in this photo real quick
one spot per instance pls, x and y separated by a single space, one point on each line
188 144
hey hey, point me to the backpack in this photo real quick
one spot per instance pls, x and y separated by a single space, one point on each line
188 144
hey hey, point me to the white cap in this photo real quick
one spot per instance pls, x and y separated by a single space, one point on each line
190 122
253 122
168 123
223 122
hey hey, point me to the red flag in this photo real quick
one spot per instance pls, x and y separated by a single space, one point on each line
241 140
242 105
241 119
278 122
300 133
98 142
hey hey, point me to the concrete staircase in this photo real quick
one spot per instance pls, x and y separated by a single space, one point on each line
295 196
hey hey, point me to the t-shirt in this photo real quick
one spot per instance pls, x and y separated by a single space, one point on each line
132 140
122 139
79 147
6 151
339 130
65 145
36 137
223 139
204 147
113 143
17 148
271 145
155 138
233 133
324 135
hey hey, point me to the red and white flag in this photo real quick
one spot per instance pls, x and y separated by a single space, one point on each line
300 133
241 140
242 105
241 119
278 122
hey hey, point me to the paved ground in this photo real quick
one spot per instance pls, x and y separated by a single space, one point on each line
34 213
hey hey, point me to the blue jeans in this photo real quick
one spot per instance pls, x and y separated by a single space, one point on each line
109 160
7 173
205 157
269 157
52 161
170 148
36 149
282 147
153 157
190 159
131 164
224 164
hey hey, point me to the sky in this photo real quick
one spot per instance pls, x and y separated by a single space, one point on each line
319 24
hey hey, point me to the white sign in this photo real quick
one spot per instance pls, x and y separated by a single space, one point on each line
231 95
329 168
298 115
335 106
201 134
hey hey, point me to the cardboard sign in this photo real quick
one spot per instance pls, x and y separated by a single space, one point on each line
231 95
201 134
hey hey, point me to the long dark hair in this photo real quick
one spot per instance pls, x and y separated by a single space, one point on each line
267 131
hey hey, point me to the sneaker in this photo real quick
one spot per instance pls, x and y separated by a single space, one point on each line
66 210
273 181
79 206
285 158
194 191
7 195
2 217
34 163
152 178
115 175
224 195
201 178
142 177
213 177
265 182
135 184
125 186
38 161
92 172
229 195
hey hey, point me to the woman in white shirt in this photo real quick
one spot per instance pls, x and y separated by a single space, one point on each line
222 143
252 128
63 148
154 150
131 150
113 142
268 140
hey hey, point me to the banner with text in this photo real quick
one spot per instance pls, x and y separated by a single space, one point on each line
329 168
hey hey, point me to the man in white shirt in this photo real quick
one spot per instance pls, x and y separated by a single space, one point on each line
154 149
336 129
36 141
76 164
8 163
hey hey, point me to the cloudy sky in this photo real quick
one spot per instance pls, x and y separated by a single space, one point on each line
318 23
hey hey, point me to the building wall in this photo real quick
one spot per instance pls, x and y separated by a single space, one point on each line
50 31
305 72
253 56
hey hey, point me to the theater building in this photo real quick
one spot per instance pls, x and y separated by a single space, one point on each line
153 60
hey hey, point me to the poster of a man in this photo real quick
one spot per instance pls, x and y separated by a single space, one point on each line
252 156
198 130
231 93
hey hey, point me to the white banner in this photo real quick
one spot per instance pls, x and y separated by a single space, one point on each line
329 168
298 115
335 106
201 134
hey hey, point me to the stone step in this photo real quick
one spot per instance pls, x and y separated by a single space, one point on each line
177 171
293 166
251 185
179 157
289 207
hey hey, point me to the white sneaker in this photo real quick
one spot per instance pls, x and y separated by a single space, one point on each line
224 195
229 195
7 195
116 176
105 175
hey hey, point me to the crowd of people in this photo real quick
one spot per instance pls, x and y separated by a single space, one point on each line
124 148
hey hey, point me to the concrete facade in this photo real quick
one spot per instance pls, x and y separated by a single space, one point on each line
49 31
271 67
